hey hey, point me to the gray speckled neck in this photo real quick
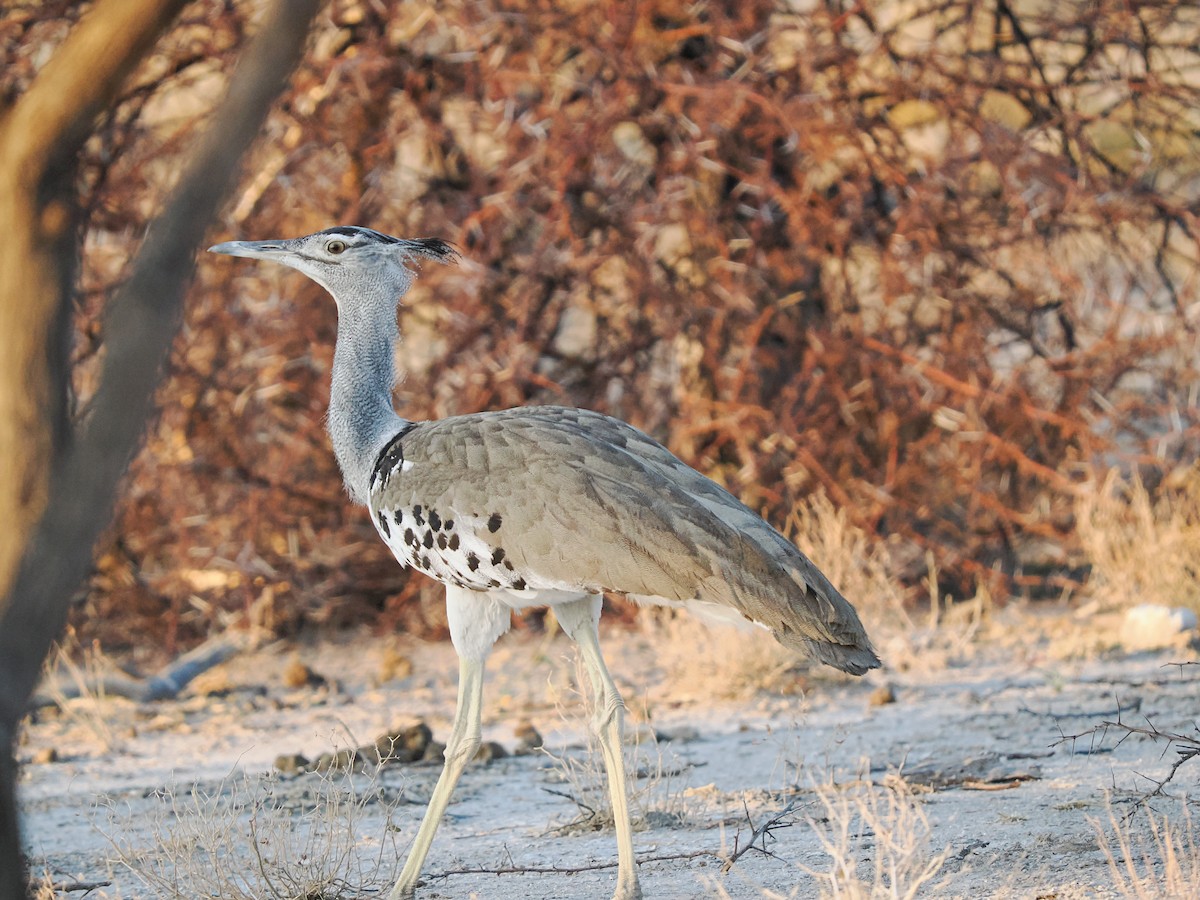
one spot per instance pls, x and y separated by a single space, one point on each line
361 417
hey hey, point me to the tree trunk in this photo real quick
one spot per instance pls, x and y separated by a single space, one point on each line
57 488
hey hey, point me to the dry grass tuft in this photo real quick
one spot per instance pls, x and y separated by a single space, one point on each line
73 679
658 780
1142 549
1152 858
717 660
724 661
252 838
857 563
878 840
42 887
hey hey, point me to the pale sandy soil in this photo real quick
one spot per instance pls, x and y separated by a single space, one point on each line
975 739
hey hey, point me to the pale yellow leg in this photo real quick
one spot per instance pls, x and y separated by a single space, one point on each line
476 621
580 619
460 749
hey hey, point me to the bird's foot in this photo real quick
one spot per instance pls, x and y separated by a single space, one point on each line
628 890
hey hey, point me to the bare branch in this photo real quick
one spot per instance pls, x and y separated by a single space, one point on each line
761 833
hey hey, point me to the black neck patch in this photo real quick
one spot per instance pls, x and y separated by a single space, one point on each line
390 458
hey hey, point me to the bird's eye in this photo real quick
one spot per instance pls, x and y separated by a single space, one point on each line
335 247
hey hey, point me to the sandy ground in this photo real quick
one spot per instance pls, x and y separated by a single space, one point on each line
965 767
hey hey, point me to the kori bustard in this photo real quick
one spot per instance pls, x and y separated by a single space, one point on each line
540 506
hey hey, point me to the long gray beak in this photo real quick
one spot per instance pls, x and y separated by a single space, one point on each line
251 249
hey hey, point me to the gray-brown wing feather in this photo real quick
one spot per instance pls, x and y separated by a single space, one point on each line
546 498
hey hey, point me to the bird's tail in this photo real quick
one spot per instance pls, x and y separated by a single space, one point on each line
802 609
855 659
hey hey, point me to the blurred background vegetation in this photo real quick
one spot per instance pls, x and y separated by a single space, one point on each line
934 259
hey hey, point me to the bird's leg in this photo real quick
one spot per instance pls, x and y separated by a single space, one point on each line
460 749
475 623
580 619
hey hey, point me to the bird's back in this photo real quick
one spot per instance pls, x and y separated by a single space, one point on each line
559 499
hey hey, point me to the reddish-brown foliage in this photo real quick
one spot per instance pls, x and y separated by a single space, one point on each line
938 260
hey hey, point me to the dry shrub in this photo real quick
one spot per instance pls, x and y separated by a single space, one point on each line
878 840
935 258
260 838
1153 857
1142 548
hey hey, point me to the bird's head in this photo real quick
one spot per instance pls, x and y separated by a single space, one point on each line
348 259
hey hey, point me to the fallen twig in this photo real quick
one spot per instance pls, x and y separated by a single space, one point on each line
72 887
1134 706
591 811
166 685
567 870
761 832
758 833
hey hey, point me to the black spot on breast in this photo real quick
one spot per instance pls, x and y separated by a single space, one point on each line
494 522
449 524
492 582
508 564
417 514
409 537
424 561
453 543
441 542
427 540
398 515
383 525
472 561
435 521
497 556
519 584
